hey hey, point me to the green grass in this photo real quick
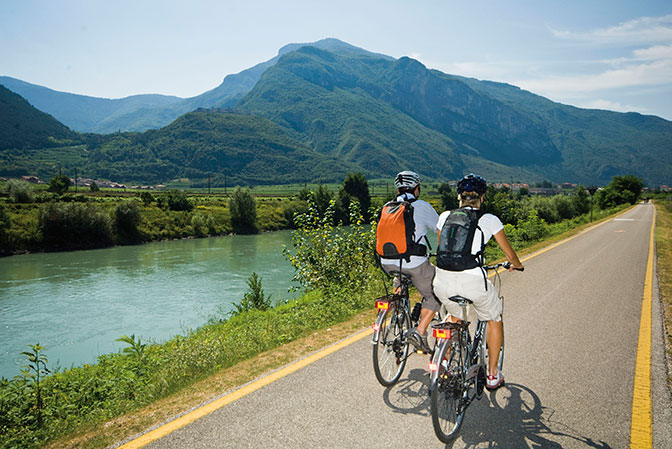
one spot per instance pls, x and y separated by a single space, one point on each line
664 265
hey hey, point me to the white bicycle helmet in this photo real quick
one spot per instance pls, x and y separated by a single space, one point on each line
407 180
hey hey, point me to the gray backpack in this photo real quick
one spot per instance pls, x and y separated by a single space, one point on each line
456 241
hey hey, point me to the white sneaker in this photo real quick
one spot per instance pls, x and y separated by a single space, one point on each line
494 382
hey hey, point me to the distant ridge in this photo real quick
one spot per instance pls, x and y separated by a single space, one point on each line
151 111
22 126
313 113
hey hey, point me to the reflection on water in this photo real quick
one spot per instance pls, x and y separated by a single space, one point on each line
76 304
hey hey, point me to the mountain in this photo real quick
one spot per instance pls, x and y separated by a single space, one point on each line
84 113
22 126
316 112
595 144
142 112
225 146
386 114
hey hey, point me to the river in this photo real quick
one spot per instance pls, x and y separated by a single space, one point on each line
76 304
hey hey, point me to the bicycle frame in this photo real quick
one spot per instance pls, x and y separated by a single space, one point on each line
473 367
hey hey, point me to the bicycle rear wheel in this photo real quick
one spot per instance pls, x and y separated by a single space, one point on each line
449 395
391 350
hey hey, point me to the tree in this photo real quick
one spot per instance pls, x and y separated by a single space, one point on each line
176 200
94 187
127 218
581 200
322 198
448 197
621 190
243 211
355 186
59 184
20 191
147 198
630 187
4 226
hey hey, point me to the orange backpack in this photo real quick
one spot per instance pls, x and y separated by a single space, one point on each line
395 233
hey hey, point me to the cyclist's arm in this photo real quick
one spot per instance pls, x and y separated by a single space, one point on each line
508 250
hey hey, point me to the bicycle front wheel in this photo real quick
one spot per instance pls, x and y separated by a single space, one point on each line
391 350
449 395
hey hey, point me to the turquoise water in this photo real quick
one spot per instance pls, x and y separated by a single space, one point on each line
76 304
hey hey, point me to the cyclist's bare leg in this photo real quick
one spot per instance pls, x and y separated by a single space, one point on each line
495 337
426 316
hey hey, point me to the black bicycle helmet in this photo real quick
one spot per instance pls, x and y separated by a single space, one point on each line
472 183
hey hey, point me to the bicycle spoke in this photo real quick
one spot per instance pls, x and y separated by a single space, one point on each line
449 397
391 351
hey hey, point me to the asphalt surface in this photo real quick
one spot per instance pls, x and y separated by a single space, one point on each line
571 331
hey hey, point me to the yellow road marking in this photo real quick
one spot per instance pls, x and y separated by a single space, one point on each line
640 427
192 416
200 412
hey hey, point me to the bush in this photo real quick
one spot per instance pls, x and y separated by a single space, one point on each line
127 218
175 200
565 207
243 211
74 226
147 198
254 298
20 191
59 184
202 224
326 257
4 227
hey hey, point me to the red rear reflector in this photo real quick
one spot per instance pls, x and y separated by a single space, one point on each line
442 333
433 367
382 305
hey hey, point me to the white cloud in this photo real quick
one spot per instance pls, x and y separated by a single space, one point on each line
637 31
649 73
610 106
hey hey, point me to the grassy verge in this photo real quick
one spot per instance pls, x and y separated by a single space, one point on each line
125 426
190 395
664 265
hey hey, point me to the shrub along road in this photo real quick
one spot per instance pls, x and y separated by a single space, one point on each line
572 331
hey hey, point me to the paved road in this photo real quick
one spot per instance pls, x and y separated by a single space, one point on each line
572 321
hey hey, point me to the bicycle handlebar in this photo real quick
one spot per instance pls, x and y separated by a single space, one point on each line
506 265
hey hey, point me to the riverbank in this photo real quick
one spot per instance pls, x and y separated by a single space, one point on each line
98 220
322 333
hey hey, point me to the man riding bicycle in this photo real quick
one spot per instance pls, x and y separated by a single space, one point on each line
471 283
417 267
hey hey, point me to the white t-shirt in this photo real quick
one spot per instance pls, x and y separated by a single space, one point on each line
425 218
489 225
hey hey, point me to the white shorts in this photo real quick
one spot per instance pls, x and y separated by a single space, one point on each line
487 304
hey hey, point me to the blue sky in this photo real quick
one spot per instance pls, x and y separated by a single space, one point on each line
613 55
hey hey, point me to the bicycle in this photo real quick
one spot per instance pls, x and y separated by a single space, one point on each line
390 342
459 367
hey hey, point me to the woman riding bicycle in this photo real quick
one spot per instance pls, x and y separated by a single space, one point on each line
471 283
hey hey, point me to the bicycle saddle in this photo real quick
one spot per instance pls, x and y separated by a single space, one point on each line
403 277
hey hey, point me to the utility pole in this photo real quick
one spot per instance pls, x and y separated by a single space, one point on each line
208 184
591 190
75 179
224 185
